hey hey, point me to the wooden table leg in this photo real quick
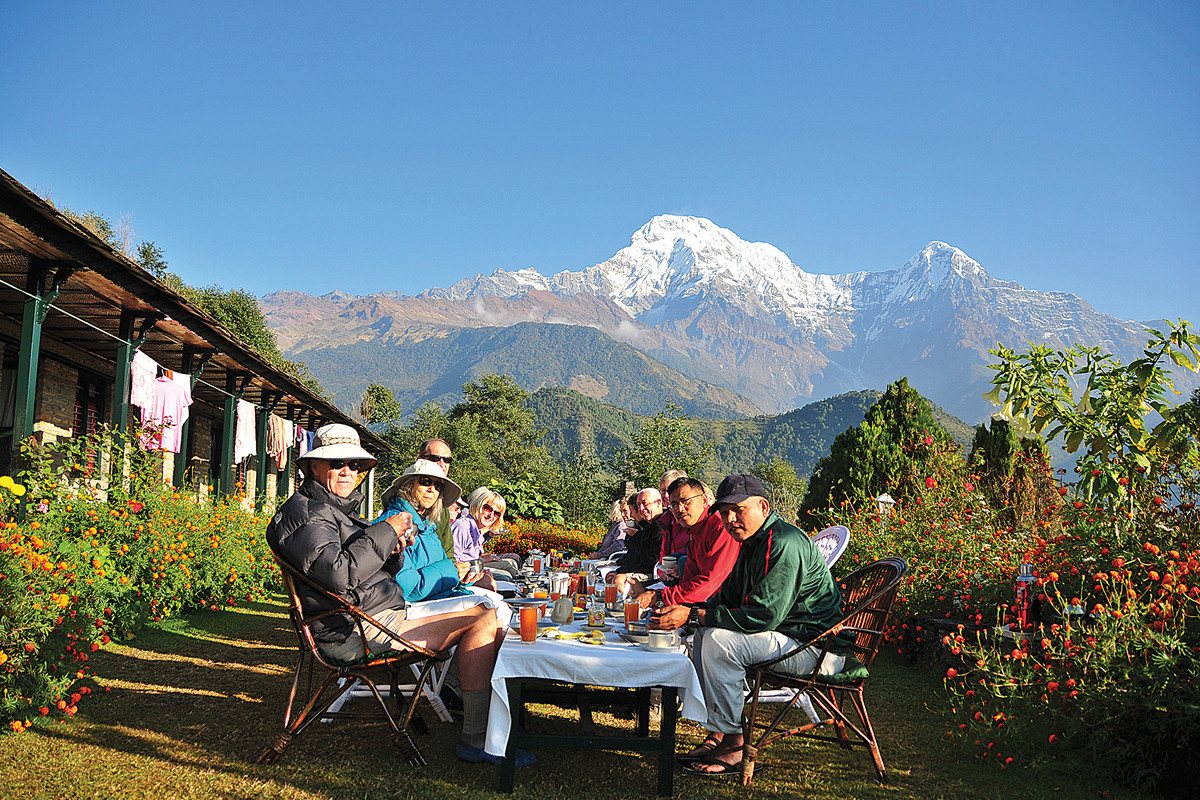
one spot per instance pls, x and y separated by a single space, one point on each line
666 735
516 705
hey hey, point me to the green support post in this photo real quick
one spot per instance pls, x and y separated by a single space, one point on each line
260 483
120 400
283 482
32 317
235 385
194 362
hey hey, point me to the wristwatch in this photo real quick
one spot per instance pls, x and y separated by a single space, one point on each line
694 616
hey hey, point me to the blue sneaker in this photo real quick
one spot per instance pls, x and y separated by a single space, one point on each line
476 755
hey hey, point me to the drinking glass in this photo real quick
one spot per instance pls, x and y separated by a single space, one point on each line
529 621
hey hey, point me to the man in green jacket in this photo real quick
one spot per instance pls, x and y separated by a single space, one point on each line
779 595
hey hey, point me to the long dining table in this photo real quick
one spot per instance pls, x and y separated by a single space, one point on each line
586 671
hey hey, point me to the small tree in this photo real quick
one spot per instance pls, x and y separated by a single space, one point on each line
897 448
1013 473
664 442
784 487
1107 418
379 406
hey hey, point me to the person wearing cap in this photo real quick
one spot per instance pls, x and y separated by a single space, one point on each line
428 572
319 533
779 594
711 551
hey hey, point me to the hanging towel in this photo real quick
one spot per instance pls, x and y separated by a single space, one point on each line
286 434
273 441
143 370
244 443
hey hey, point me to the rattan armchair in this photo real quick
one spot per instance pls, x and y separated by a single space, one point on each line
867 597
334 675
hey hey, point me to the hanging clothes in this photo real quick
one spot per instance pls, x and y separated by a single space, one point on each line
274 441
301 441
163 419
287 433
245 432
185 382
143 371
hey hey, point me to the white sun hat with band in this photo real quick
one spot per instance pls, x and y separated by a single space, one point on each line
338 442
450 490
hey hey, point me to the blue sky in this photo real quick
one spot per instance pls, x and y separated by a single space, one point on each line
395 146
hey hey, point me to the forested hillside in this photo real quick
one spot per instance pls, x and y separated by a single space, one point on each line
575 423
535 355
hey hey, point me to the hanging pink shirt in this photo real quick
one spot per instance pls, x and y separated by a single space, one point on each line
169 409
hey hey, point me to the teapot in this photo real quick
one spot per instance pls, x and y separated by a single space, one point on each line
563 611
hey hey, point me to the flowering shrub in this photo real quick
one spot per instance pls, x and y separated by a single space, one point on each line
523 535
81 567
1108 674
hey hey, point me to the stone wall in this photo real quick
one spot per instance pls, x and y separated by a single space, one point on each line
54 402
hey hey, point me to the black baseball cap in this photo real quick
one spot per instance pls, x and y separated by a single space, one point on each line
736 488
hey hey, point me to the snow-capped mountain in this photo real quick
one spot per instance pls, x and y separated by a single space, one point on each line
741 315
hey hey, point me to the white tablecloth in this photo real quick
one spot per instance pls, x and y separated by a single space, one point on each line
614 663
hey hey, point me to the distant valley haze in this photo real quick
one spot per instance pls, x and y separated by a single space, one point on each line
692 313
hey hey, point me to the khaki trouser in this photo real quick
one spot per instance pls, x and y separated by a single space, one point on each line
721 657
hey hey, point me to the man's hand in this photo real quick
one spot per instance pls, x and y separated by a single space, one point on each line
669 618
646 598
402 524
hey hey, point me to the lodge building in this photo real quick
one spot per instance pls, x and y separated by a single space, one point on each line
73 312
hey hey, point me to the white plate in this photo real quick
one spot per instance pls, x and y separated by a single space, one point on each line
528 601
605 627
675 648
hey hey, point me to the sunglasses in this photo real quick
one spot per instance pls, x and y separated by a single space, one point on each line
444 459
495 512
356 465
424 481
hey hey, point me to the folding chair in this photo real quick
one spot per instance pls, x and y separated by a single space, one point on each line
867 597
832 543
318 704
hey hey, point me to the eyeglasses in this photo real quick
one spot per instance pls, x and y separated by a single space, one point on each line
683 501
427 481
444 459
495 512
356 465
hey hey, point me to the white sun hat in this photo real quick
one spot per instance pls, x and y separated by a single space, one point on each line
450 490
338 442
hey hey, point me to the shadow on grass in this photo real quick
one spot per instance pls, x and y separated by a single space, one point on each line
203 696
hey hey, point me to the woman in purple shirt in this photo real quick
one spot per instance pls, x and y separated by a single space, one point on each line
486 516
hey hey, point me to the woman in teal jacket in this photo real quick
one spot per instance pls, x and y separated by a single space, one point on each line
427 572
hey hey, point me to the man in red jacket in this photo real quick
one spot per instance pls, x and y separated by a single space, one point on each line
711 551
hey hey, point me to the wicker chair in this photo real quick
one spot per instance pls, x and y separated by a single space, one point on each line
315 705
867 597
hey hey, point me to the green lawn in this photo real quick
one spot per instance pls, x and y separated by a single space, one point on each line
194 702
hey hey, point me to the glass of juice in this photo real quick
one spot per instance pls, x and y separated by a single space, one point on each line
529 621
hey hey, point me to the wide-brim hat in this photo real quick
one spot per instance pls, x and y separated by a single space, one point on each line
450 490
737 488
338 441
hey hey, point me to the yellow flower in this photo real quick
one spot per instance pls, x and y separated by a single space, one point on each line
6 481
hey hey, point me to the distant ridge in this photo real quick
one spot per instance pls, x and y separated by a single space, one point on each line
536 355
